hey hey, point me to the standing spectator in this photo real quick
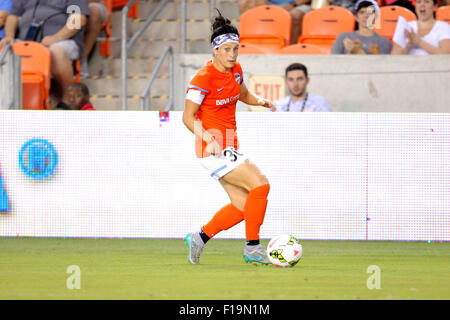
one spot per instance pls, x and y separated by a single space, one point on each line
5 8
423 36
76 97
98 16
61 30
299 99
365 40
296 8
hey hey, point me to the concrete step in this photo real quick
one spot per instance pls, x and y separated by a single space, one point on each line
166 29
155 47
113 86
136 66
115 103
198 9
105 81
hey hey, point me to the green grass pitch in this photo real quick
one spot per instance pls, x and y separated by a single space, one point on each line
36 268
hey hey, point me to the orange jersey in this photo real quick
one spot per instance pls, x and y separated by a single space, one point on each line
217 93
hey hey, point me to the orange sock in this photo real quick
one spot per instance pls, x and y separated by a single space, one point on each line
224 219
255 210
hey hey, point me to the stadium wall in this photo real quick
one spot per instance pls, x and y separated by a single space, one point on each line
351 83
356 176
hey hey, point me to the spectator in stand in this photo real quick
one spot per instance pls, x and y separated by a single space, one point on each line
296 8
5 8
423 36
365 40
61 30
299 99
98 16
76 97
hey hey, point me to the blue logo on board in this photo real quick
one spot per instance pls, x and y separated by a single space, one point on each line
38 159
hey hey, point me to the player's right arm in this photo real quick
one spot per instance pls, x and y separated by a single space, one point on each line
196 127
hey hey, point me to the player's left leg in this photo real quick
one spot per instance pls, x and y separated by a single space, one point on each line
248 176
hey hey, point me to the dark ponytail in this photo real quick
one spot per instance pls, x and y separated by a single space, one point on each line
222 25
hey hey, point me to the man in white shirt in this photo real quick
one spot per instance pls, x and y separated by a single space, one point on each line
299 99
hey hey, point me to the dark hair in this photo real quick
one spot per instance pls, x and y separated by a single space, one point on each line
222 25
83 88
364 4
297 66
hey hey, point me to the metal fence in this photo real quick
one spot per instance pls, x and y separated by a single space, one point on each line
10 73
127 45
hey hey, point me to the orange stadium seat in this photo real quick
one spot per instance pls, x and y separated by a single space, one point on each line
388 19
105 47
268 26
443 14
321 26
251 48
36 65
302 48
76 65
134 10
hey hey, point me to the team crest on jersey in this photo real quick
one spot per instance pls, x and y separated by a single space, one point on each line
237 76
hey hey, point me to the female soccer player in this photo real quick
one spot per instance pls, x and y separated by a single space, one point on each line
209 113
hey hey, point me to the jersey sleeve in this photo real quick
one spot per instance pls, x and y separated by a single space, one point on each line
198 88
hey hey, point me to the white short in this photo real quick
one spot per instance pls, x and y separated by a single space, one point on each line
70 47
217 167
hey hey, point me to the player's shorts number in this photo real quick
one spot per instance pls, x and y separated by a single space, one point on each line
231 154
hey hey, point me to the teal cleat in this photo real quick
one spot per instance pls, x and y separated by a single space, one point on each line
258 255
194 249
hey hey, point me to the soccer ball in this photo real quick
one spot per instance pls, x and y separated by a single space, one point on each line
284 250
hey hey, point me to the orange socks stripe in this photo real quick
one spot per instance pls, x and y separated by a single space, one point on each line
224 219
255 210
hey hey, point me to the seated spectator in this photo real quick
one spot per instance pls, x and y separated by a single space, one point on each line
98 16
5 8
60 31
299 99
422 36
296 8
76 97
365 40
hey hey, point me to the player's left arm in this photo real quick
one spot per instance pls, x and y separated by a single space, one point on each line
250 98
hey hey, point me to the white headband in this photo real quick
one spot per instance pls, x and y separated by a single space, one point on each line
225 38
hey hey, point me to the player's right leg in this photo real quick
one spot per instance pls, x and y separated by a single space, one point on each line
225 218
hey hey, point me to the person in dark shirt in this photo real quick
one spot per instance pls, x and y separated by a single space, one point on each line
62 31
364 40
